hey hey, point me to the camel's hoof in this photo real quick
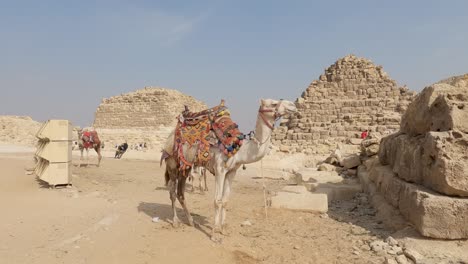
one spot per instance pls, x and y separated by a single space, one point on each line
216 239
190 222
224 232
196 225
175 223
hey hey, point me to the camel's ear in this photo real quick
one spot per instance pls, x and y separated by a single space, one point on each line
262 101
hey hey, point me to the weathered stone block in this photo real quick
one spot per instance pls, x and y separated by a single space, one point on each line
437 160
439 107
432 214
303 200
351 161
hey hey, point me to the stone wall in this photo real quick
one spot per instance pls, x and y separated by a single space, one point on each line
351 96
143 116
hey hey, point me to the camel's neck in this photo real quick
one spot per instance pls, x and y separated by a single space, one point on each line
254 150
262 130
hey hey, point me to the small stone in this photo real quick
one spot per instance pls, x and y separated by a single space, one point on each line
413 255
390 261
365 248
324 216
391 241
246 223
155 219
378 246
401 259
397 249
356 253
297 247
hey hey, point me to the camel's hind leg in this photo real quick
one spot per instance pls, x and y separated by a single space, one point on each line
204 179
81 157
98 151
181 197
172 194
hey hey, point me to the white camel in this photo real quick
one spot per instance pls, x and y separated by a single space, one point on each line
225 169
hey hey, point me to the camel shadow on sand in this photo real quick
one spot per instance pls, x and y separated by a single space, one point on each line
164 212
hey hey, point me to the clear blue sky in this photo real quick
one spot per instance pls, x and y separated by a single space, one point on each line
59 58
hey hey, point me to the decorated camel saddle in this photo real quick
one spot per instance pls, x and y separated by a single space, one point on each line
196 132
90 139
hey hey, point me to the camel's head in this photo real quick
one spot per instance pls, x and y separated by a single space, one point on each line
279 108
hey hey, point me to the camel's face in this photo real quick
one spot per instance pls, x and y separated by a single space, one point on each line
281 107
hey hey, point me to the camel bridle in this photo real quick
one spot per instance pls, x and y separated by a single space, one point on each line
275 112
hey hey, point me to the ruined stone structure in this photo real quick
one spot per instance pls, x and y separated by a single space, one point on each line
143 116
19 130
351 96
144 108
422 170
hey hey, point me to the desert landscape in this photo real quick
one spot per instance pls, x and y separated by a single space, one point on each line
321 194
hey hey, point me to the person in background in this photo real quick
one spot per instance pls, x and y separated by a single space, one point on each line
364 134
121 150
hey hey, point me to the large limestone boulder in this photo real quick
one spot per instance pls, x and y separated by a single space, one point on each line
432 147
437 160
440 107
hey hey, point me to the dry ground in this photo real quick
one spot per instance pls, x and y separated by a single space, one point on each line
106 217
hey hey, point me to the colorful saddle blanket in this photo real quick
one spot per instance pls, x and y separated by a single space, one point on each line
196 130
90 138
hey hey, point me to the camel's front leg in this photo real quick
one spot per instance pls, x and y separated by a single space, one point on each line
87 157
218 203
226 193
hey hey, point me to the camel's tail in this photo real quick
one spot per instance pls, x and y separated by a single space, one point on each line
164 156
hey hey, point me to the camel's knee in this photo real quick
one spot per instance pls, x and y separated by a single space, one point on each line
218 203
181 198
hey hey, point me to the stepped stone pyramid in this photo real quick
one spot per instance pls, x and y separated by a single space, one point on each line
146 115
351 96
144 108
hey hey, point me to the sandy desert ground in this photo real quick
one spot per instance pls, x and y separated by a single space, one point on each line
106 217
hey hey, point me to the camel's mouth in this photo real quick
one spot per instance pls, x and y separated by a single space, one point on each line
291 110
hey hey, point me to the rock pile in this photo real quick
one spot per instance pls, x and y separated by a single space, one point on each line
18 130
422 169
143 116
351 96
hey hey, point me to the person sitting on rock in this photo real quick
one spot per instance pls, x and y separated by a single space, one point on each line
364 134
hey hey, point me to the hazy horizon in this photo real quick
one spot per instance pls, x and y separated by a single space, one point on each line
59 60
